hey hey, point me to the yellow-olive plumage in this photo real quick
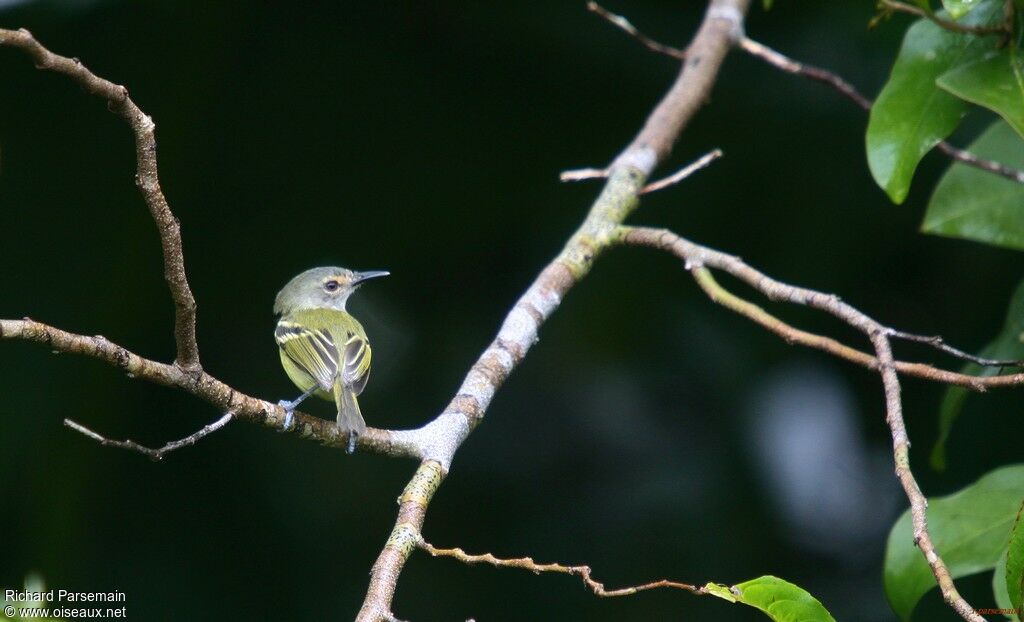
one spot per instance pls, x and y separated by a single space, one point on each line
324 350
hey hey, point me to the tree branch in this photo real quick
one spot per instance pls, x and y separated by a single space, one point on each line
436 443
154 454
208 388
901 456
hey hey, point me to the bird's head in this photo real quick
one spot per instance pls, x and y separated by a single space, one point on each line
322 288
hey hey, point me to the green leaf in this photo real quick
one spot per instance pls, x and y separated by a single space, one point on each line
911 113
780 600
999 588
995 82
970 528
1015 562
959 8
976 205
767 5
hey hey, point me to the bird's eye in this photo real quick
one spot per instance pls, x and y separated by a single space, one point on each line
331 286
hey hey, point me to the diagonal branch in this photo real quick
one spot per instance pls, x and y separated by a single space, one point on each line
146 178
154 454
721 26
624 24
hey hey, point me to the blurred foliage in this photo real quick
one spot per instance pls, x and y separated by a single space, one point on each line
426 139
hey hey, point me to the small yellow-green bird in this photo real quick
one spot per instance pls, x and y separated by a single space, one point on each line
323 348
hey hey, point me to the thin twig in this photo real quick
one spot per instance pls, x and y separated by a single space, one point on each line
583 572
910 9
784 63
623 24
702 162
154 454
581 174
654 186
937 342
720 295
970 159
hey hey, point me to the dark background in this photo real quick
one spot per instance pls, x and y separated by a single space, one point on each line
649 434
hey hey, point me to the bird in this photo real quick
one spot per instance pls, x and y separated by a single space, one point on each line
323 348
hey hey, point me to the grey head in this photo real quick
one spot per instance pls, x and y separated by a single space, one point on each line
319 288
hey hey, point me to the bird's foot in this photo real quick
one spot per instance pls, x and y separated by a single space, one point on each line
289 414
352 438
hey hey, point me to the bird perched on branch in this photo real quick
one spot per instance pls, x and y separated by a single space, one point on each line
323 349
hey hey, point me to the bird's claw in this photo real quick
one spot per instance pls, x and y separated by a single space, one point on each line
352 438
289 414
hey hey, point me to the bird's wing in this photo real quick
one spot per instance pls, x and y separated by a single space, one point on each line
357 363
311 349
315 352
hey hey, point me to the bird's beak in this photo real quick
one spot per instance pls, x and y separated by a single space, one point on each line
359 277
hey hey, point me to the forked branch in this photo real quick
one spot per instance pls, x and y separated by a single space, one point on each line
698 259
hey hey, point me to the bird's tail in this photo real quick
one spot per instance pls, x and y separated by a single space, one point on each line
350 420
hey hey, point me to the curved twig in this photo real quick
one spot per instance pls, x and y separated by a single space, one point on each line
146 178
154 454
583 572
